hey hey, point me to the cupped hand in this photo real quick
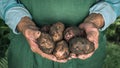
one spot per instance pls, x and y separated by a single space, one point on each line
31 36
91 25
92 35
31 33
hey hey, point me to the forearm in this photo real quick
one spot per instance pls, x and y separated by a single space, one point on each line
12 12
108 12
96 19
25 23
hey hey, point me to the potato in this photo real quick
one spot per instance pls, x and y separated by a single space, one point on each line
46 43
80 45
45 28
51 41
72 32
56 31
61 50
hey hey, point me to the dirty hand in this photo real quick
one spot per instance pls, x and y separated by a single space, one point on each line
31 32
91 25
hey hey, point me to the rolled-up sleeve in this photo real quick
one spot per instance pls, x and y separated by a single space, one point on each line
110 10
12 12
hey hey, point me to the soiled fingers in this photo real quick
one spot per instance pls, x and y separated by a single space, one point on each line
93 37
29 33
85 56
72 55
51 57
36 49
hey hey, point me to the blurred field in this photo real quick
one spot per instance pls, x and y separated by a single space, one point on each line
113 56
113 45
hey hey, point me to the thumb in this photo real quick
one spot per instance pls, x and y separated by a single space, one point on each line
29 33
37 34
92 35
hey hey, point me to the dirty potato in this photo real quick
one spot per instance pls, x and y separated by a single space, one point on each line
61 50
80 45
56 31
46 43
72 32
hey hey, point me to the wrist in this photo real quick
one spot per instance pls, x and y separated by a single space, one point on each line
24 24
95 19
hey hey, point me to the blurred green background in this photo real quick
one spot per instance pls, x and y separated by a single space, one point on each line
113 45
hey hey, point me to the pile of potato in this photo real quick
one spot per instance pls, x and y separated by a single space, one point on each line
60 41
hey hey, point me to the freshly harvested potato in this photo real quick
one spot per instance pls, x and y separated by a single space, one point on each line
51 41
61 50
72 32
56 31
45 28
81 45
46 43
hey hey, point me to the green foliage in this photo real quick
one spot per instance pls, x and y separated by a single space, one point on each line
3 62
113 32
113 46
113 56
4 41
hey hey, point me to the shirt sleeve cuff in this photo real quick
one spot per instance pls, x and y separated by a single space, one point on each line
14 15
107 12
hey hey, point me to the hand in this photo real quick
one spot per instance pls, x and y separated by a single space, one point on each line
92 35
91 26
31 36
31 33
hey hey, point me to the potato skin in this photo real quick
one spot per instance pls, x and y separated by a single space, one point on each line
71 32
80 45
61 50
45 28
55 39
46 43
56 31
